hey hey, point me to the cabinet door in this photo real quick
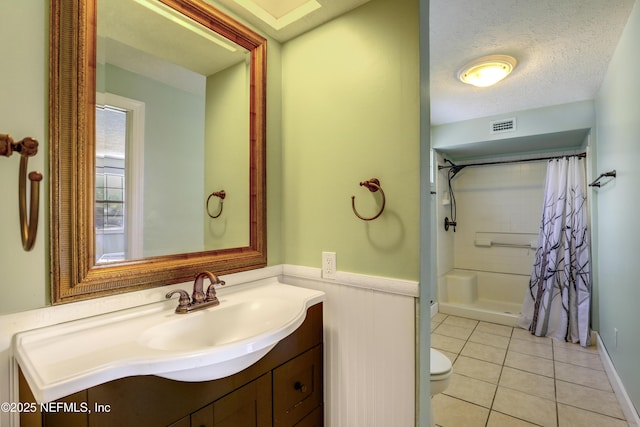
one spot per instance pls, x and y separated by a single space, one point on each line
182 422
297 388
248 406
314 419
203 417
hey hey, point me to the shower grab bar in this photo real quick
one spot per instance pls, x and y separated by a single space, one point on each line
506 240
532 245
515 245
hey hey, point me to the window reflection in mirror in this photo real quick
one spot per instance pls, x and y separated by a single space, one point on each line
111 139
119 178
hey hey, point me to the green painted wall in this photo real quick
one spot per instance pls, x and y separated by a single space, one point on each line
350 112
618 234
275 253
350 105
24 80
24 276
226 156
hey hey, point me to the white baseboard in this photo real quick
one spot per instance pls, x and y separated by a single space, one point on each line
626 405
434 309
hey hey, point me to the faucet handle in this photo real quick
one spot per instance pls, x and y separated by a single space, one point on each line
183 301
211 292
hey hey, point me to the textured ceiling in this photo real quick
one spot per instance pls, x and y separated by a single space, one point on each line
563 48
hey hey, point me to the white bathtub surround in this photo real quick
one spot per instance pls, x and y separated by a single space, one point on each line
498 214
461 286
369 340
481 295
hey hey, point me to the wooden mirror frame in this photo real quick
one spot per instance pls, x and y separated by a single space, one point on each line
72 76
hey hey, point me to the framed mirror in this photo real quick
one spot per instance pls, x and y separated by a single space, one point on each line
157 125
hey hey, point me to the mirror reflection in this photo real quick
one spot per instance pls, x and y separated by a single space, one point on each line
172 127
188 121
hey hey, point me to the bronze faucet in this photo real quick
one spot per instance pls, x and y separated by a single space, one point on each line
199 299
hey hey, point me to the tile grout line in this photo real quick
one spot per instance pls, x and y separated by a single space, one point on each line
554 348
466 341
504 359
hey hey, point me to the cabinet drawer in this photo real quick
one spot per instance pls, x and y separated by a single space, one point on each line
297 388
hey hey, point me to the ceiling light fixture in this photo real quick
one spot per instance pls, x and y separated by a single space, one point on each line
488 70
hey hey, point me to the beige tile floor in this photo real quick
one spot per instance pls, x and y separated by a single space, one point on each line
506 377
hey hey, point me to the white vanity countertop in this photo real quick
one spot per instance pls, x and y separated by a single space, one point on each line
212 343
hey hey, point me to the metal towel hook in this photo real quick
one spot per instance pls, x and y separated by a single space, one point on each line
373 185
221 194
27 147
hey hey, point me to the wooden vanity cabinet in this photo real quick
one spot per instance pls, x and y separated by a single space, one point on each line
284 388
250 405
297 388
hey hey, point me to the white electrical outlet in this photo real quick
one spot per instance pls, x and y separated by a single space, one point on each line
329 265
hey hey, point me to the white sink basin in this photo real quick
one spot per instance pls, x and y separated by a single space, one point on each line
153 340
222 325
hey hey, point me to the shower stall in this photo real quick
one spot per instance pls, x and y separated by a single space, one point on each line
482 295
487 222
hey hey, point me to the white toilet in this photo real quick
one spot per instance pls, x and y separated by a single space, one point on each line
441 371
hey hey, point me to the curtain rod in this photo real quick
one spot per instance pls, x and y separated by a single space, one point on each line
499 162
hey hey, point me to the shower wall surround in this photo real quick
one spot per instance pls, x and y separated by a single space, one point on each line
498 214
493 200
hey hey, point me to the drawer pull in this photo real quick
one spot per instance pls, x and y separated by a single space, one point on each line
301 387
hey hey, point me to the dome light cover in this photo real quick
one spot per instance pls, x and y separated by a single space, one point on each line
488 70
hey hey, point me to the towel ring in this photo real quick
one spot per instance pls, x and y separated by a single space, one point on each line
27 147
221 194
373 185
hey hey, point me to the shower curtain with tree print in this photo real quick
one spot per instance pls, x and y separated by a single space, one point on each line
557 303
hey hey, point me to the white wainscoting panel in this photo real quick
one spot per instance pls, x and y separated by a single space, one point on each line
369 339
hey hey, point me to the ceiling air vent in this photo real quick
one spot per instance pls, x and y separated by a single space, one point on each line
501 126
